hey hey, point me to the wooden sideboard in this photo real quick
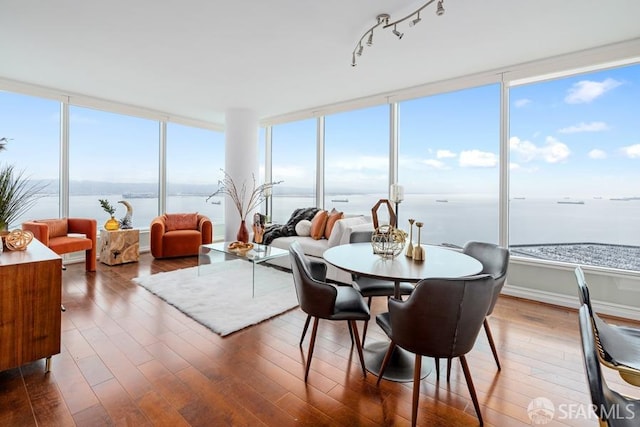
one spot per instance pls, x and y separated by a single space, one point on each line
30 298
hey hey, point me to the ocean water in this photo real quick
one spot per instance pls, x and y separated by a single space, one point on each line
453 219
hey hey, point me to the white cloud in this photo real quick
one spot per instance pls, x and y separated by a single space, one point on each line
597 154
522 102
514 166
525 150
553 151
478 159
445 154
586 91
585 127
433 163
632 151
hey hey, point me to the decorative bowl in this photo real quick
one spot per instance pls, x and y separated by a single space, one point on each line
388 241
240 248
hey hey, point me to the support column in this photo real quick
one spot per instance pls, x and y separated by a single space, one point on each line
240 162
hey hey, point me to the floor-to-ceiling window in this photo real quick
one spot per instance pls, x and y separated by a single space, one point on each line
294 163
195 159
356 159
575 169
31 126
113 157
449 165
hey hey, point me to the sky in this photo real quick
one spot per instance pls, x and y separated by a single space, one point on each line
577 136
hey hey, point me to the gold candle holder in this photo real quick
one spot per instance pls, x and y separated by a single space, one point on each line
409 251
418 250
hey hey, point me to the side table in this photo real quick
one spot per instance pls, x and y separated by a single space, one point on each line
119 246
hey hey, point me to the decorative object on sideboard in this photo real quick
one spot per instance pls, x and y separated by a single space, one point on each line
409 251
16 240
384 19
396 195
418 250
242 199
388 241
126 223
112 223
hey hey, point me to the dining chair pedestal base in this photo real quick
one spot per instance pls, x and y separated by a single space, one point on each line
400 368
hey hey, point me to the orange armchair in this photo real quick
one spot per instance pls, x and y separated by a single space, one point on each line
180 234
66 235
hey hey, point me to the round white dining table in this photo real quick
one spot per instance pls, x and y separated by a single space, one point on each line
440 262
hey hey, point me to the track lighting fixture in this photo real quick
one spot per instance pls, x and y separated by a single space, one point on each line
383 21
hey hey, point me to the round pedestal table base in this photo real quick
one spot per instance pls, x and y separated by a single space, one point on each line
400 367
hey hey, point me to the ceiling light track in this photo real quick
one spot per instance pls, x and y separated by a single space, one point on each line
383 20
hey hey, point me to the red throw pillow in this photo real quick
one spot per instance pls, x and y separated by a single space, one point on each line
334 216
318 224
181 221
57 227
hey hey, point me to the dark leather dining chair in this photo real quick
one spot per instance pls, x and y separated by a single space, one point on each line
370 287
619 346
495 262
322 300
612 408
440 319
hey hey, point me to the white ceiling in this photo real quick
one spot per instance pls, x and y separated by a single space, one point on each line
197 58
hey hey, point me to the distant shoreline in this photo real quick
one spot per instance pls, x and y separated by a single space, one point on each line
624 257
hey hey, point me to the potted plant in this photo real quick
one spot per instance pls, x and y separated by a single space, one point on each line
112 224
17 193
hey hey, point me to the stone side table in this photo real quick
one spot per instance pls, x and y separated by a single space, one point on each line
119 246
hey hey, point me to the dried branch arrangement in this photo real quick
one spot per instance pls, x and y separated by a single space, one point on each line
238 195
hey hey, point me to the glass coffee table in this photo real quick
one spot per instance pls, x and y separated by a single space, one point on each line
216 252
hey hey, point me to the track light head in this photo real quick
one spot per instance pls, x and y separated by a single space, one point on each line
370 39
353 60
415 21
440 8
397 33
359 51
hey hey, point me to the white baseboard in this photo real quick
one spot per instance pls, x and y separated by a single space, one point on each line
611 309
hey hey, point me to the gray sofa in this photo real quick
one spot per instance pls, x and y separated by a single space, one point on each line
314 249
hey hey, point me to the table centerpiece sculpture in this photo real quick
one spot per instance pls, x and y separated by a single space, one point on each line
418 251
388 241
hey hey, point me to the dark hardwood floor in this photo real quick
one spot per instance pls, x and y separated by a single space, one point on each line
128 358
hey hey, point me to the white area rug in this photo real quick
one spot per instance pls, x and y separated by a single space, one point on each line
221 297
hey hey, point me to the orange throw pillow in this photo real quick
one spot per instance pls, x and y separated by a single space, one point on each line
181 221
57 227
318 223
334 216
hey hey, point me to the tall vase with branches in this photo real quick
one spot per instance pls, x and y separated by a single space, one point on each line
244 199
